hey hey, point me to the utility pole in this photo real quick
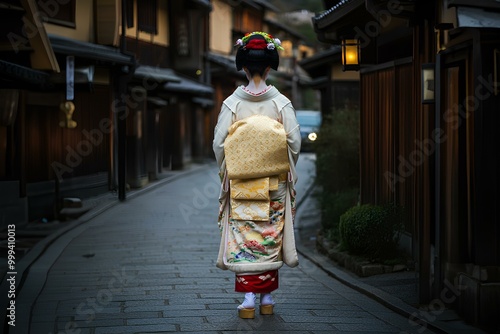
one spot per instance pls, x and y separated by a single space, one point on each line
121 116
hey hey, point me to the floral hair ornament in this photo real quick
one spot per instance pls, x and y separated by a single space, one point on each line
271 43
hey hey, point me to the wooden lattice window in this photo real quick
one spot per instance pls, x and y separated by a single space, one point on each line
247 20
147 16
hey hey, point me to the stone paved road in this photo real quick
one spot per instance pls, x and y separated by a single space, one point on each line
147 265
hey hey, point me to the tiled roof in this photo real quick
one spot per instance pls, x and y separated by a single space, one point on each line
19 74
321 56
337 12
203 3
336 7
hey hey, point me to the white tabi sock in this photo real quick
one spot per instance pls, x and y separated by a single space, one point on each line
249 301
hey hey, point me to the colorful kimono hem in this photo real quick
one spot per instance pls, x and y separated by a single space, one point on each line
265 282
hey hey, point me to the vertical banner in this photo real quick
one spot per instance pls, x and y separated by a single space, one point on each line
182 36
70 78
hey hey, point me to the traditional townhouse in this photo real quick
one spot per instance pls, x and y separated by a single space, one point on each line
168 39
93 101
429 104
59 138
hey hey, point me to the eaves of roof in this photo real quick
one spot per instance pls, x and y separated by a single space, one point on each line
158 74
88 50
21 74
267 5
474 17
190 86
318 82
220 60
341 9
252 3
485 4
203 3
223 66
322 57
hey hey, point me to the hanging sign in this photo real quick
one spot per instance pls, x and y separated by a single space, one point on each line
70 78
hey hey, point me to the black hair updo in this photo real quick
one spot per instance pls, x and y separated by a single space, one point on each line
256 56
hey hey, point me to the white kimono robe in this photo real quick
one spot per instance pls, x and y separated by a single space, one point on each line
250 246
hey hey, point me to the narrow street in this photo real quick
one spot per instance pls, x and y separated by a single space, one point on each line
147 265
109 112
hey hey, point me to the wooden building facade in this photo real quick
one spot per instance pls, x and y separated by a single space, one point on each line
91 102
168 40
429 105
60 139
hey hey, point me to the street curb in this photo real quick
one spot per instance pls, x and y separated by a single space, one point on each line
327 265
393 303
324 263
24 265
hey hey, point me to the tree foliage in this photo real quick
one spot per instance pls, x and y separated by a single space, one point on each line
337 167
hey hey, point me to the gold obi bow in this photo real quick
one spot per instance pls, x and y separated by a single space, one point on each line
256 152
256 147
250 198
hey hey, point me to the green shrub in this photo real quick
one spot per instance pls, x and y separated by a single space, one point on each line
371 231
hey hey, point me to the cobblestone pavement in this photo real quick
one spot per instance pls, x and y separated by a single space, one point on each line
147 265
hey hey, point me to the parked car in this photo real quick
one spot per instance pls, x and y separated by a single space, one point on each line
310 122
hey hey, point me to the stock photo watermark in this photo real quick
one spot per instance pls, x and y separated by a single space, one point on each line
202 198
89 308
95 137
29 30
454 117
382 19
421 318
